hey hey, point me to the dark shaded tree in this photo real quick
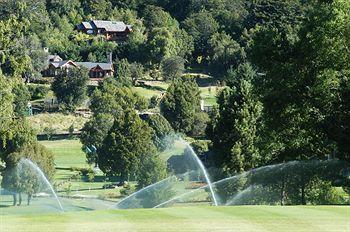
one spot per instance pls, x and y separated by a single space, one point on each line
70 88
181 103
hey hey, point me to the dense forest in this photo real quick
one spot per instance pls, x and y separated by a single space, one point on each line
284 69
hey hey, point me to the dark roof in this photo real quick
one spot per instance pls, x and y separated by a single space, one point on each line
88 65
91 65
60 63
110 26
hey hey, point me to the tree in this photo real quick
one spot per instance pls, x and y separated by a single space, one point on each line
225 54
303 66
152 170
70 88
173 67
111 98
6 110
123 72
97 8
94 133
155 16
128 142
20 177
165 39
12 57
161 44
233 129
21 98
181 103
201 120
38 58
275 13
161 130
201 26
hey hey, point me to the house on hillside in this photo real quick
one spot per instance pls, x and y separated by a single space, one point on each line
96 70
112 30
54 58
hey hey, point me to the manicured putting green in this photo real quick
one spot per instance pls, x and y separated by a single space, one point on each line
194 218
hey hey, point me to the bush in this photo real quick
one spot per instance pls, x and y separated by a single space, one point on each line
200 146
323 193
83 171
201 120
38 91
126 190
71 130
154 101
91 176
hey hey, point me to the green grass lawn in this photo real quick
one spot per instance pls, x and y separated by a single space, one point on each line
67 153
194 218
156 88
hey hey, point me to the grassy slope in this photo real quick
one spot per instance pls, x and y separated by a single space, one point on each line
208 94
59 122
67 153
242 218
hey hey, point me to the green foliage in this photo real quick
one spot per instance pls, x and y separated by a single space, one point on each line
19 134
200 146
123 72
38 91
161 130
225 54
181 103
6 110
22 178
154 101
93 134
128 142
21 98
201 120
201 26
233 129
70 88
172 67
323 193
111 99
152 170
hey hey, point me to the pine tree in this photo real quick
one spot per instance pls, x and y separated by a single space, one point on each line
127 143
181 103
233 129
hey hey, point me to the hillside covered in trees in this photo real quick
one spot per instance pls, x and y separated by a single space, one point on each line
283 69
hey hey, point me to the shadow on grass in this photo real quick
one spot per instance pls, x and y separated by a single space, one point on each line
150 87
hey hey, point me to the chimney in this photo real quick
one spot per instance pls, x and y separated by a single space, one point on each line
46 49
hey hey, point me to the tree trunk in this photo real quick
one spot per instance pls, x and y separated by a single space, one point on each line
14 199
29 198
282 195
303 200
19 199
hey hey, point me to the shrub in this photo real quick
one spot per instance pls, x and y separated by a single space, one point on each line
83 171
200 146
323 193
154 101
71 131
201 120
38 91
91 176
126 190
